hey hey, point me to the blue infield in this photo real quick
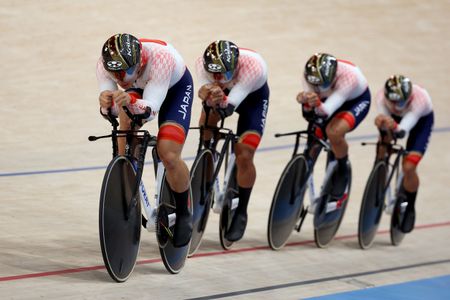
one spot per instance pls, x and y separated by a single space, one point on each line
432 288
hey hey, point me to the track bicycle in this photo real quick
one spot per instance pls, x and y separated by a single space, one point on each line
383 192
207 191
123 194
288 210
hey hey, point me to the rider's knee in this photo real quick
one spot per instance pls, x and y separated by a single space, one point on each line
169 158
409 168
244 155
338 127
335 135
410 163
244 162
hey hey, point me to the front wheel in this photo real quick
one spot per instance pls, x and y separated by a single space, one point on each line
202 173
287 202
372 205
119 219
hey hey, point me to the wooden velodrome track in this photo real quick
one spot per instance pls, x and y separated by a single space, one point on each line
50 175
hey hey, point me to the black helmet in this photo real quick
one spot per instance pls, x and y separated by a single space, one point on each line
221 57
121 52
320 69
398 89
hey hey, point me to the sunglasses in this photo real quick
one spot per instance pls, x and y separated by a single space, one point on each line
122 74
227 76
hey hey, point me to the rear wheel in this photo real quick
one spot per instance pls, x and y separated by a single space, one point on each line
396 220
227 213
326 223
172 257
201 181
372 205
287 202
119 222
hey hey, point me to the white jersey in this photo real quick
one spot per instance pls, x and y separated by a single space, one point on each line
250 75
349 84
419 105
164 68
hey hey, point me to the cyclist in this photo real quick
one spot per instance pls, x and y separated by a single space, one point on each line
337 92
406 108
150 77
235 79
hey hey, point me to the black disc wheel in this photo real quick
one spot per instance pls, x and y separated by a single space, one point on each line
202 172
372 205
163 231
172 257
119 219
287 202
227 213
327 222
396 220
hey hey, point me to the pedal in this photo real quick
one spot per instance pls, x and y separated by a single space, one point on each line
403 206
172 219
342 200
331 206
234 203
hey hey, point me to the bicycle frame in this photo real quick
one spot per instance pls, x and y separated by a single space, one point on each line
394 169
390 148
219 190
138 164
226 154
151 212
121 216
311 151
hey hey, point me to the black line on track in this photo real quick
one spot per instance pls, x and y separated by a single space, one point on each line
319 280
